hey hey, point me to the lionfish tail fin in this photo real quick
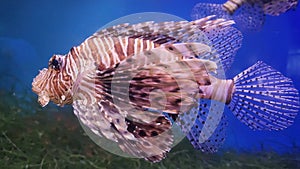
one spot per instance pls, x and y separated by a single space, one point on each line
264 99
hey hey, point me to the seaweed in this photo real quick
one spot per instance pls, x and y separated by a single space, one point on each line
51 137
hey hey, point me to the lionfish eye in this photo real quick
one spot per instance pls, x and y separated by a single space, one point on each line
55 64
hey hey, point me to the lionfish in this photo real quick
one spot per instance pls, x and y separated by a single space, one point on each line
248 14
131 83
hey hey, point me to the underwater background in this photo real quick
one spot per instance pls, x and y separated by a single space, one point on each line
33 137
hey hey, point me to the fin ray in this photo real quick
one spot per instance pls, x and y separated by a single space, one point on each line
264 99
172 70
205 127
277 7
204 30
248 17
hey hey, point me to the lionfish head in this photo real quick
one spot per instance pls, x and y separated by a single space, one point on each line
53 84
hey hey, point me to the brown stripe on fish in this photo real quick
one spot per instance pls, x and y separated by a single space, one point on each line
106 46
97 50
138 46
86 85
119 48
106 51
111 54
130 46
75 58
124 43
146 44
86 54
57 90
69 68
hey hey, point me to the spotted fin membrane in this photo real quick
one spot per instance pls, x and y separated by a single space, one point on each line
248 14
277 7
206 130
226 41
248 17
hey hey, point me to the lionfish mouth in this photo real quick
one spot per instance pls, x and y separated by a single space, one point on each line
39 87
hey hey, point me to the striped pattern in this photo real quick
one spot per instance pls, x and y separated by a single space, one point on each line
95 74
54 85
171 69
264 99
232 5
104 52
93 54
216 33
219 90
172 31
77 78
108 47
249 15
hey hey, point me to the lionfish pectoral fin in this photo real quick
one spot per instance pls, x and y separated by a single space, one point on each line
138 133
102 117
154 139
264 99
91 117
205 126
164 79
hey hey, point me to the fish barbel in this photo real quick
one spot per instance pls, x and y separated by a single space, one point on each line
122 81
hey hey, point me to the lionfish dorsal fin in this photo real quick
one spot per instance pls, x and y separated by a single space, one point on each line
249 16
205 30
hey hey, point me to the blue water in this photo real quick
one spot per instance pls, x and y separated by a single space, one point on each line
32 31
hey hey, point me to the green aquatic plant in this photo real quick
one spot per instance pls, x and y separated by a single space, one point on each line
51 137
